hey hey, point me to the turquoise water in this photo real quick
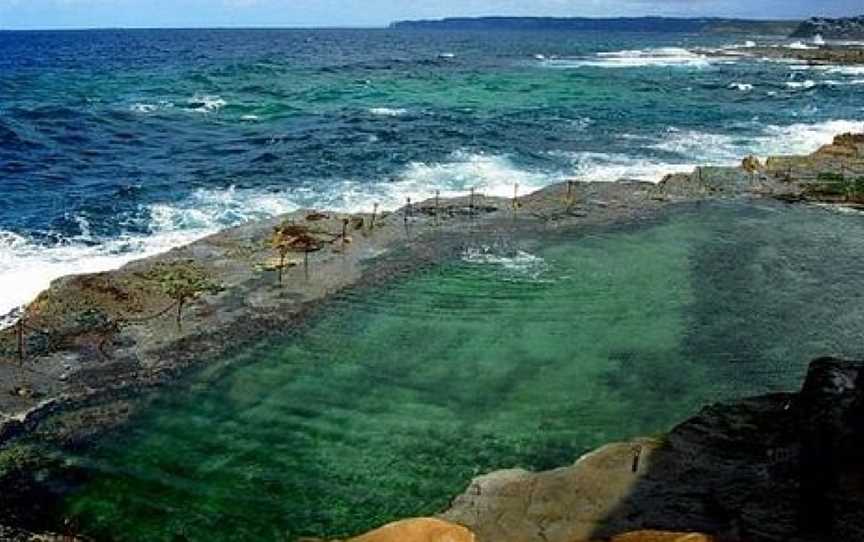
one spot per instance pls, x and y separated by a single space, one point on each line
392 399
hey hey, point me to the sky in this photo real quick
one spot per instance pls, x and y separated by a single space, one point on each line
303 13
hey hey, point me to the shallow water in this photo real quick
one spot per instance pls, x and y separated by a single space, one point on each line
392 399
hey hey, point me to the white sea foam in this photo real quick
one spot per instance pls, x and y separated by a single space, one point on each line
610 167
205 103
808 84
800 46
147 108
388 112
518 264
638 58
749 44
831 69
743 87
723 149
850 82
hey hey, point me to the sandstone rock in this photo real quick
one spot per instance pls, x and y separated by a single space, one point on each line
418 530
561 505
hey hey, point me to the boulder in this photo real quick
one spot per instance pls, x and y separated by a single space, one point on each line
418 530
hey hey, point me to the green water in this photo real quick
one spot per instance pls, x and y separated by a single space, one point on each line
394 398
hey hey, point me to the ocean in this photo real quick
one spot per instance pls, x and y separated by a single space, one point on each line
118 144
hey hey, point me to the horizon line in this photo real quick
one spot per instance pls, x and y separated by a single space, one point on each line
388 25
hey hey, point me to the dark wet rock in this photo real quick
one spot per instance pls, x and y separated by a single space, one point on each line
782 467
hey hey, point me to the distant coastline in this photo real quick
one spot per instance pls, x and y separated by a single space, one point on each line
622 24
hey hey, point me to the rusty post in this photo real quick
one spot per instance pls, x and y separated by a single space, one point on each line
637 456
515 198
344 231
19 328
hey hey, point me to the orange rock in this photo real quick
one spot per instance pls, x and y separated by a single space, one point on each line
418 530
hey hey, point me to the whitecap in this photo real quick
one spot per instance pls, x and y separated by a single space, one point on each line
249 118
388 112
808 84
743 87
206 103
147 108
638 58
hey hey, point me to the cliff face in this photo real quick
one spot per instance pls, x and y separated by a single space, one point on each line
783 467
851 28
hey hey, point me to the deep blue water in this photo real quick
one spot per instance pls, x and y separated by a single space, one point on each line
116 144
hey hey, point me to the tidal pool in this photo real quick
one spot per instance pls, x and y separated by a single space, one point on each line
394 398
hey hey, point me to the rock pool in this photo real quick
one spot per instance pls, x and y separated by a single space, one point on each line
392 399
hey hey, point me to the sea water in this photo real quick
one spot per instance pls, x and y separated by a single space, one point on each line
120 144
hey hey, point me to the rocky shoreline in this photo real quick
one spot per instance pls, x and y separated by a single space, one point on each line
92 346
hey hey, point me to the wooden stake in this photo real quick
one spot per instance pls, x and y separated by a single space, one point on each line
374 213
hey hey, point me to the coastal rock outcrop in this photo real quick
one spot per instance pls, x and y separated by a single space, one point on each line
782 467
848 28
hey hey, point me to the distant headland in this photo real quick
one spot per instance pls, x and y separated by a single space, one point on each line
623 24
848 28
